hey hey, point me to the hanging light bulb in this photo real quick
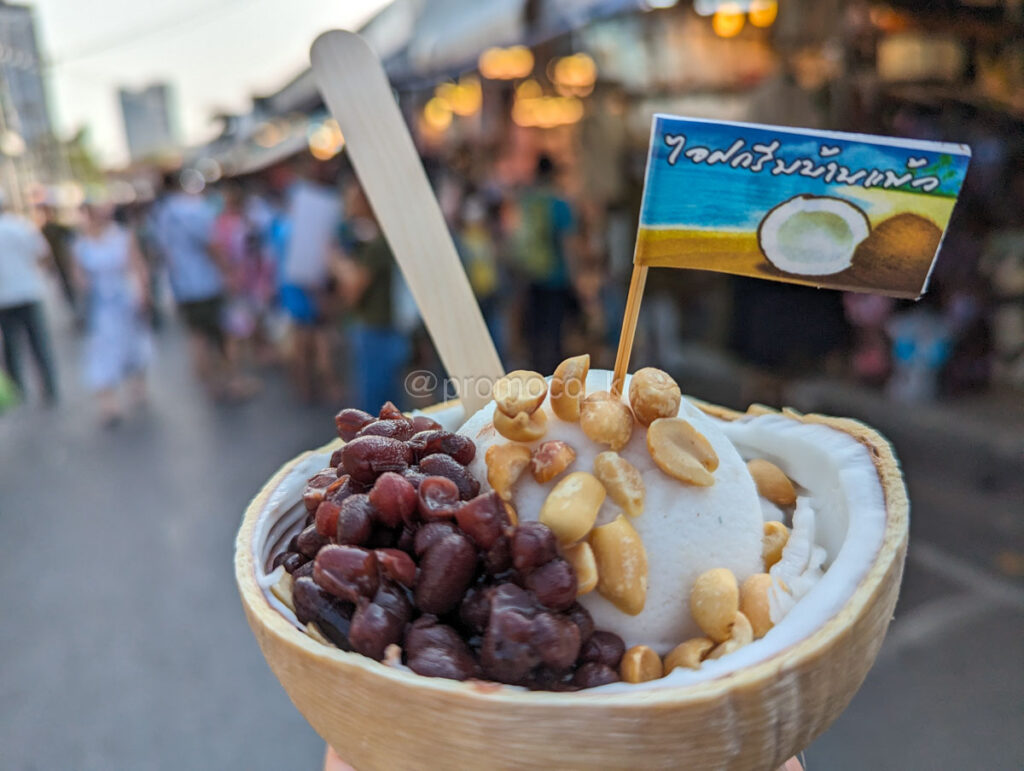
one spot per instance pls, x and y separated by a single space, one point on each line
728 20
506 63
326 141
762 13
574 75
437 114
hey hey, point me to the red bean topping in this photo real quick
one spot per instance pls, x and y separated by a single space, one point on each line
498 559
507 654
396 429
554 584
436 650
390 412
423 423
482 518
294 561
367 457
350 420
603 648
407 539
524 623
310 541
383 537
446 571
475 609
533 545
556 639
429 533
316 488
394 599
355 520
425 443
397 565
414 475
438 498
328 612
373 629
582 618
340 489
593 674
394 497
327 518
347 572
443 465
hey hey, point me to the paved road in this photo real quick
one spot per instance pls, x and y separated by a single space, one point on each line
124 644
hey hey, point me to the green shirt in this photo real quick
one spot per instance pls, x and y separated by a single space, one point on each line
374 307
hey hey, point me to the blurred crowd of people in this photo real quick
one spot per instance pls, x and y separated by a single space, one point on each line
288 267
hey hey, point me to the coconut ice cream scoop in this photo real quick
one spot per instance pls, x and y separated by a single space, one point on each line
686 529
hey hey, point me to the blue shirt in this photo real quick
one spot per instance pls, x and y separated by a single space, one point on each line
183 229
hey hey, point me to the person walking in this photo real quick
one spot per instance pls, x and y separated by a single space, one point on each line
184 232
22 252
59 236
544 243
231 246
113 278
366 274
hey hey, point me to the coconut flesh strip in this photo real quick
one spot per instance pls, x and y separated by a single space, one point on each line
838 525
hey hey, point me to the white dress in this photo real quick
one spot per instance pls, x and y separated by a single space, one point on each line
118 343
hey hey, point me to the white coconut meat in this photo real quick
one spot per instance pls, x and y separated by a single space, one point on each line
685 529
812 235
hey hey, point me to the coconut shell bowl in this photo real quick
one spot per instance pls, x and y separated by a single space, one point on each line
749 713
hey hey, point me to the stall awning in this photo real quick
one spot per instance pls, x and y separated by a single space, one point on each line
453 32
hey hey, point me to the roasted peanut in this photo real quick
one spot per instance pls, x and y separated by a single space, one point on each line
606 420
776 536
524 427
621 565
742 634
772 482
714 602
681 451
283 590
520 391
505 464
621 479
581 557
569 387
689 654
571 507
640 664
550 459
653 394
754 603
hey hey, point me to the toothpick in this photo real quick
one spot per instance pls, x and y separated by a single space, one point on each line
629 320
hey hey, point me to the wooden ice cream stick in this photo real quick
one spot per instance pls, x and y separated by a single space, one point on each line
629 320
356 90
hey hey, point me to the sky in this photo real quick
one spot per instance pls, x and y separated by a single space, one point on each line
215 53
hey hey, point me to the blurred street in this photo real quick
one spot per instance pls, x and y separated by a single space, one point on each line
127 646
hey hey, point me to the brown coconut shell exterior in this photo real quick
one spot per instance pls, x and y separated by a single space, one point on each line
377 717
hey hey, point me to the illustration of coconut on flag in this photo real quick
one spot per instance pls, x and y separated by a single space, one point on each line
826 209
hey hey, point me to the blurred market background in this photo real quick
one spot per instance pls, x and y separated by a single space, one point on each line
212 287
